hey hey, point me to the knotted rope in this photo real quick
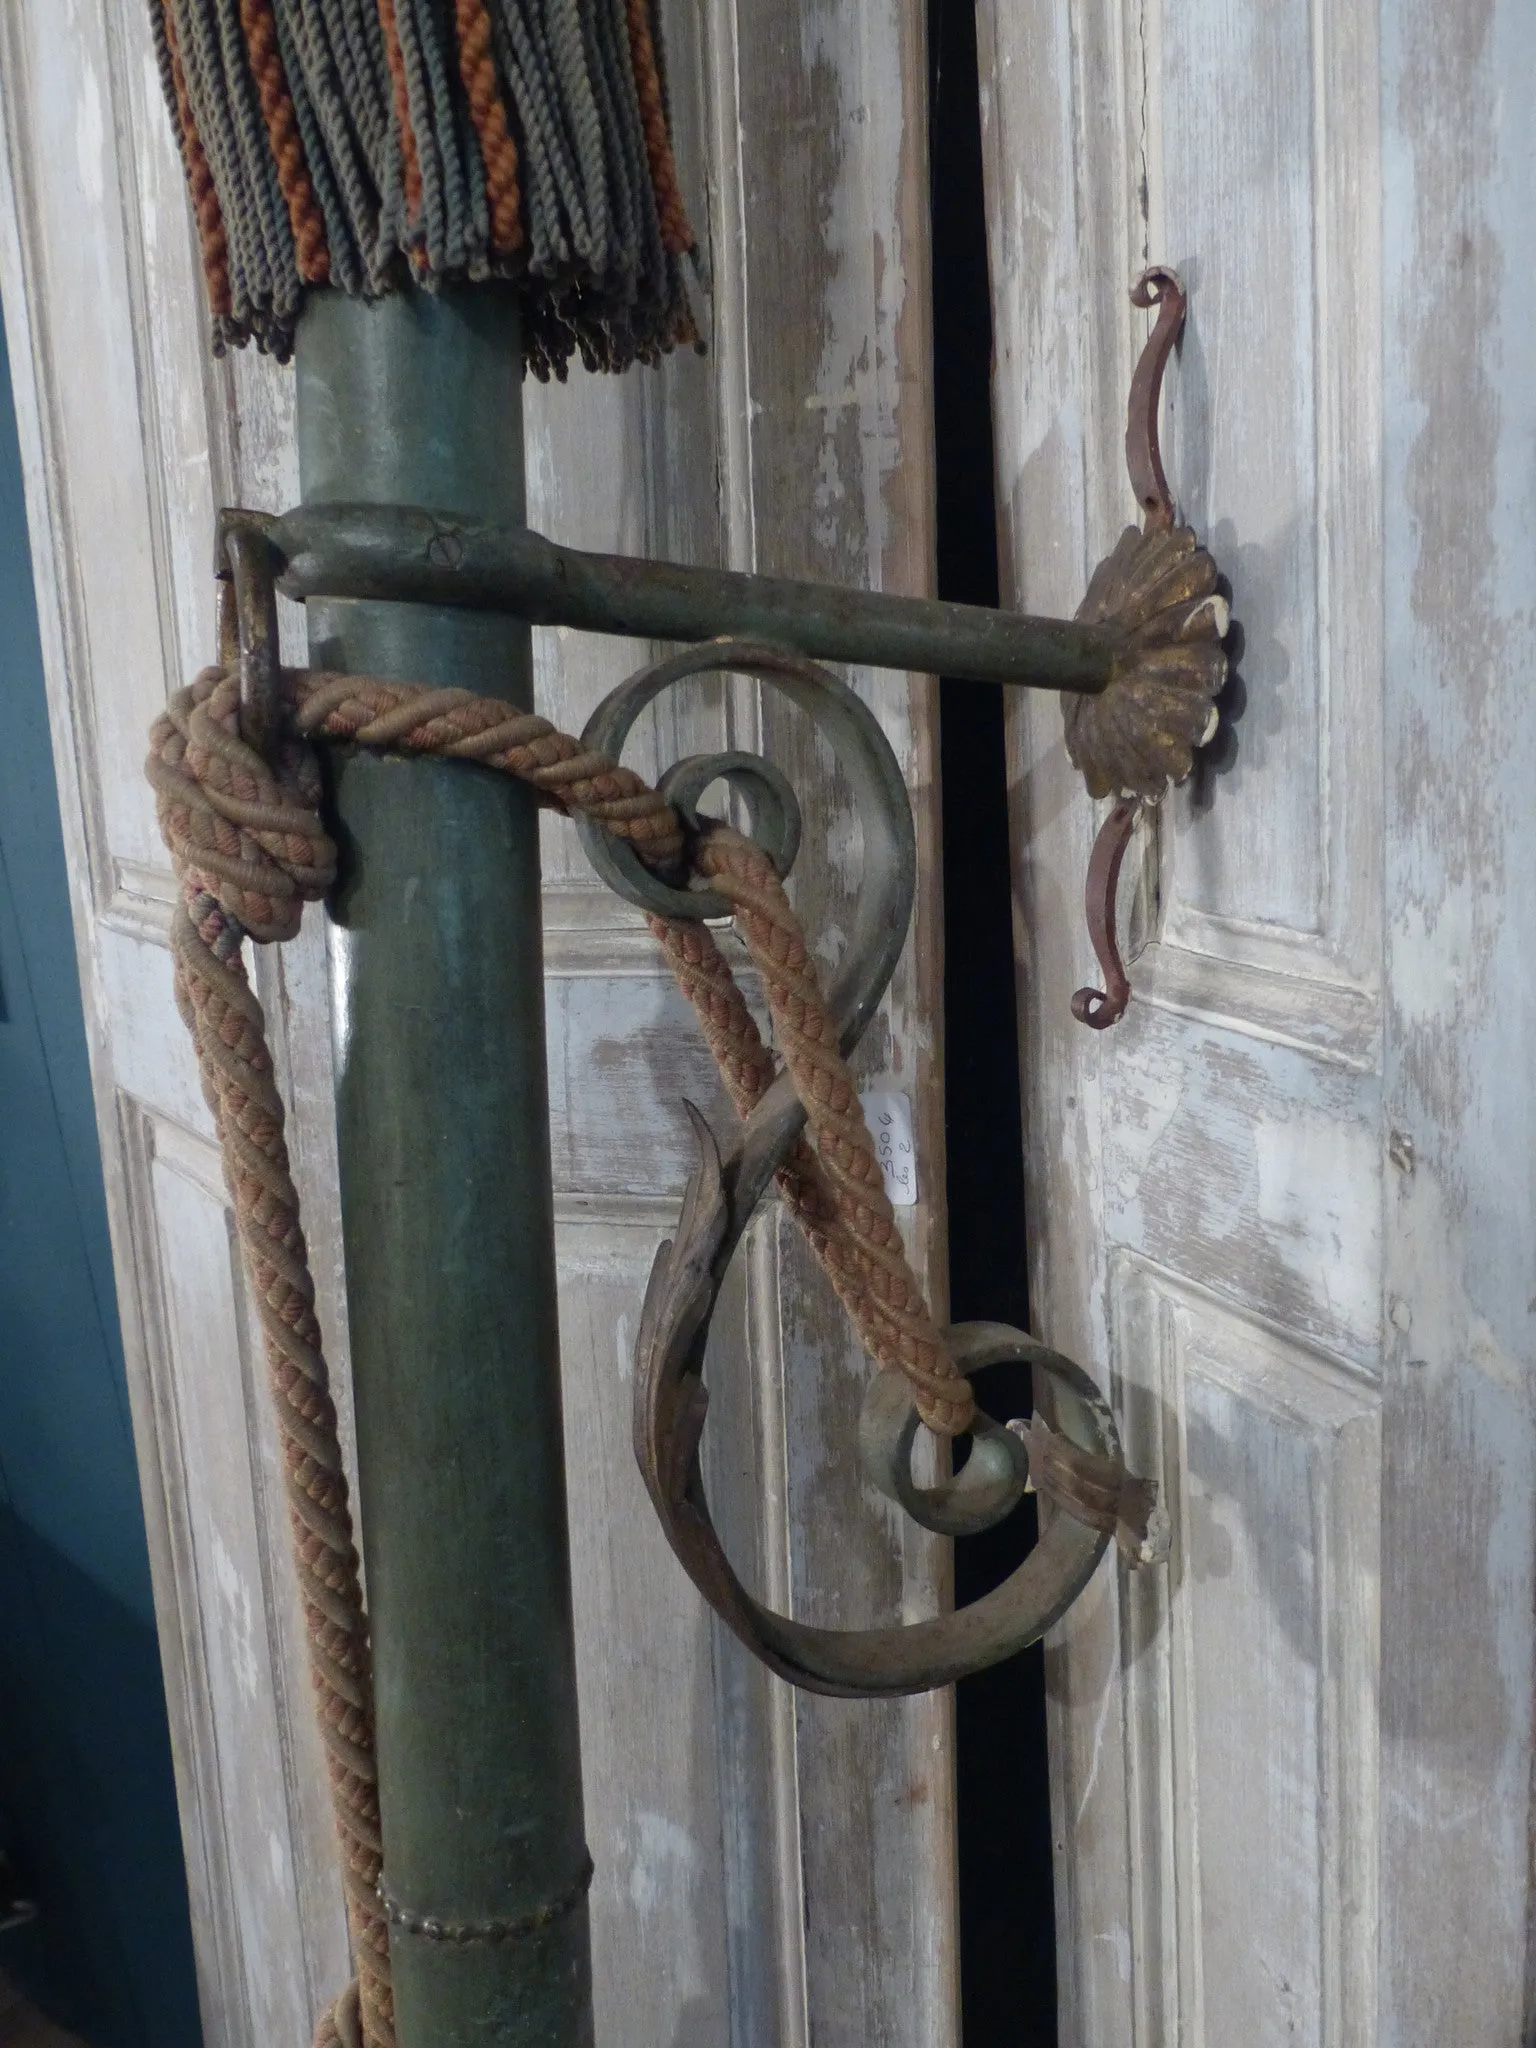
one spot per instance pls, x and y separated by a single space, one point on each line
249 850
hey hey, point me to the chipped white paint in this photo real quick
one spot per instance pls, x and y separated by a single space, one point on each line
1251 1706
1436 945
89 139
664 1855
858 374
238 1631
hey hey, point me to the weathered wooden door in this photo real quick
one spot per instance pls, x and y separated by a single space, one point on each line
1285 1206
771 1870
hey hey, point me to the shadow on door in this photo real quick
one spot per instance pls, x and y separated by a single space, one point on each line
1007 1910
87 1800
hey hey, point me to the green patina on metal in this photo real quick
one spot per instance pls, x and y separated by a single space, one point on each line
451 558
443 1129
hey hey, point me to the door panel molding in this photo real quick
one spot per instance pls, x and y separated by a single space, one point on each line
1270 198
1227 1132
1245 210
260 1854
1252 1675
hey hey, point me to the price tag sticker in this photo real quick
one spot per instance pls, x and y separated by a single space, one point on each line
890 1122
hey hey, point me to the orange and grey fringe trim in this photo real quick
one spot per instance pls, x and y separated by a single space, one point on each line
366 143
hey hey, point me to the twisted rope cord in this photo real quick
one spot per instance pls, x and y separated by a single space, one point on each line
276 277
676 235
458 251
346 78
545 122
356 26
342 254
477 67
341 2025
430 221
277 109
207 34
405 134
635 235
890 1312
326 138
213 244
209 115
540 197
567 50
249 850
859 1226
746 1066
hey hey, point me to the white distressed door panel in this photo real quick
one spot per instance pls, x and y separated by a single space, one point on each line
772 1871
225 1493
1459 1445
1283 1208
1250 1674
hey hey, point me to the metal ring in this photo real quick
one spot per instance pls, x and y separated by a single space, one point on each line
773 809
991 1482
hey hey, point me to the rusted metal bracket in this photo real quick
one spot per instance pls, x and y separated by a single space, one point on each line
1139 667
245 558
1078 1463
1160 590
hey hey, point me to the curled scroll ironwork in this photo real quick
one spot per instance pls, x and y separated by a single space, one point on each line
728 1181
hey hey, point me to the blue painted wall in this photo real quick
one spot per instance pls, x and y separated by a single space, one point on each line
87 1802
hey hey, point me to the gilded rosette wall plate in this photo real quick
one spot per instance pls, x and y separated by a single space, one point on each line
1140 732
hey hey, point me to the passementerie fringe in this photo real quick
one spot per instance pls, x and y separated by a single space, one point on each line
366 143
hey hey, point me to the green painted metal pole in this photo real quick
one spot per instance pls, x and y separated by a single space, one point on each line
442 1122
449 558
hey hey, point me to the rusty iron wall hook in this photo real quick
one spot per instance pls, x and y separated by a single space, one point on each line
1141 734
1099 1008
1156 286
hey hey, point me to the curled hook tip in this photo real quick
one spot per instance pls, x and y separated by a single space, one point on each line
1157 282
1097 1008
